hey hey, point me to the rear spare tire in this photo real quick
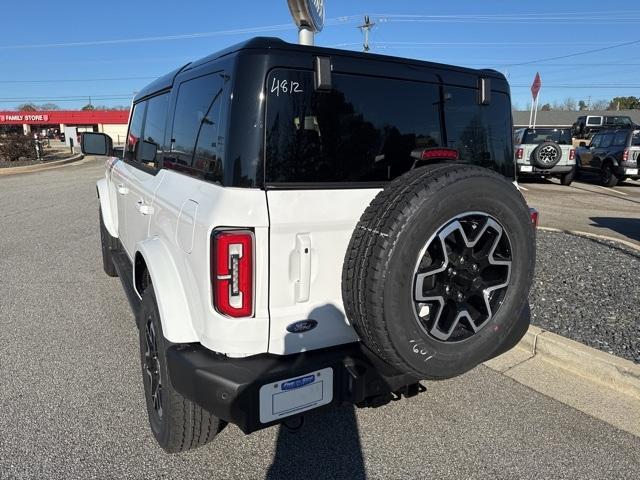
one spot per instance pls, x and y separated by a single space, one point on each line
546 155
438 269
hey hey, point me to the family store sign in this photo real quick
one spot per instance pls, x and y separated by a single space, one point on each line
67 117
19 118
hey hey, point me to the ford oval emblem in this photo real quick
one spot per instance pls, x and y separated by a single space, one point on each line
302 326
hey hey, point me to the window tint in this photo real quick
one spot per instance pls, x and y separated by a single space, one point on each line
370 129
607 140
196 128
364 130
481 134
620 139
135 131
153 132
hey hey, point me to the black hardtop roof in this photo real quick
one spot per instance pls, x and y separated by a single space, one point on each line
268 43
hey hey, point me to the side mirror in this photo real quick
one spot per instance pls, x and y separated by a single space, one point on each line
147 152
583 144
96 144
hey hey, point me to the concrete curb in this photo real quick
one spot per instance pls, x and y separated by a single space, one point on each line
40 166
593 236
595 365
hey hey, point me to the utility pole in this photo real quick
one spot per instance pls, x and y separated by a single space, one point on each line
366 28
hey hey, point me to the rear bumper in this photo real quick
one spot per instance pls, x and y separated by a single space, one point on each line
557 169
229 387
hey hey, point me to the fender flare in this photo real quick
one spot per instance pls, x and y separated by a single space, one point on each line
175 315
105 206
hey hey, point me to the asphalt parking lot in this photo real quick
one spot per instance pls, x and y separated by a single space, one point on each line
71 400
587 206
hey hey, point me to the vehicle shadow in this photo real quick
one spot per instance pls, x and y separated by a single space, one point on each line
327 446
629 227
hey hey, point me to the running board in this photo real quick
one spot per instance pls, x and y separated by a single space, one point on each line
125 273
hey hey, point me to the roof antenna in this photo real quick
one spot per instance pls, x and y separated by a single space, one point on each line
366 28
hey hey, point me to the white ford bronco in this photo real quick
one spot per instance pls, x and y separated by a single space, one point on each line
299 228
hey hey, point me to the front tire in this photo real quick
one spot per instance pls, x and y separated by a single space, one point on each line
108 244
177 423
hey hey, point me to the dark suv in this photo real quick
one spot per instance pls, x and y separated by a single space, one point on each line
612 154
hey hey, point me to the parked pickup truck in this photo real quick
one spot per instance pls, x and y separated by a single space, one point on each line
298 228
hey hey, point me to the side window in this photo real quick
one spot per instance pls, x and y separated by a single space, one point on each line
195 138
135 131
595 141
150 150
606 141
480 133
620 139
366 129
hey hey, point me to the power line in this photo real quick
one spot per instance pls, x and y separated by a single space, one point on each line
585 52
630 85
65 80
185 36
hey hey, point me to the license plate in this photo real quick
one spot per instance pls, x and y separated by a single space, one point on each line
631 171
526 168
287 397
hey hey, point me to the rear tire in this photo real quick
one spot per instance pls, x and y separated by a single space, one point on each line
177 423
108 244
608 177
567 178
384 263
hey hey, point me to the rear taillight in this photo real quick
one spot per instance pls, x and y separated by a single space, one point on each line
520 153
572 154
625 155
535 216
232 272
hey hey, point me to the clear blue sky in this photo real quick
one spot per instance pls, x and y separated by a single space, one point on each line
44 46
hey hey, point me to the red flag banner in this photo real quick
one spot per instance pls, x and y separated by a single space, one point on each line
535 86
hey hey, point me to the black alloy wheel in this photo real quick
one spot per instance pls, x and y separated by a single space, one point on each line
461 277
151 367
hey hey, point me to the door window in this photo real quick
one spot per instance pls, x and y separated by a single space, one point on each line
150 150
196 142
135 131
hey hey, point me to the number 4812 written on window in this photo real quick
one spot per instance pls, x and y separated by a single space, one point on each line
285 86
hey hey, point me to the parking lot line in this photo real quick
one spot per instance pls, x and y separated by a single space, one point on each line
611 190
522 188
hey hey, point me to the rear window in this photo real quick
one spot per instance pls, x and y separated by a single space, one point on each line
635 139
540 135
620 121
369 129
594 120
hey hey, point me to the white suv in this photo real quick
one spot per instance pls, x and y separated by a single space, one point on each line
299 227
